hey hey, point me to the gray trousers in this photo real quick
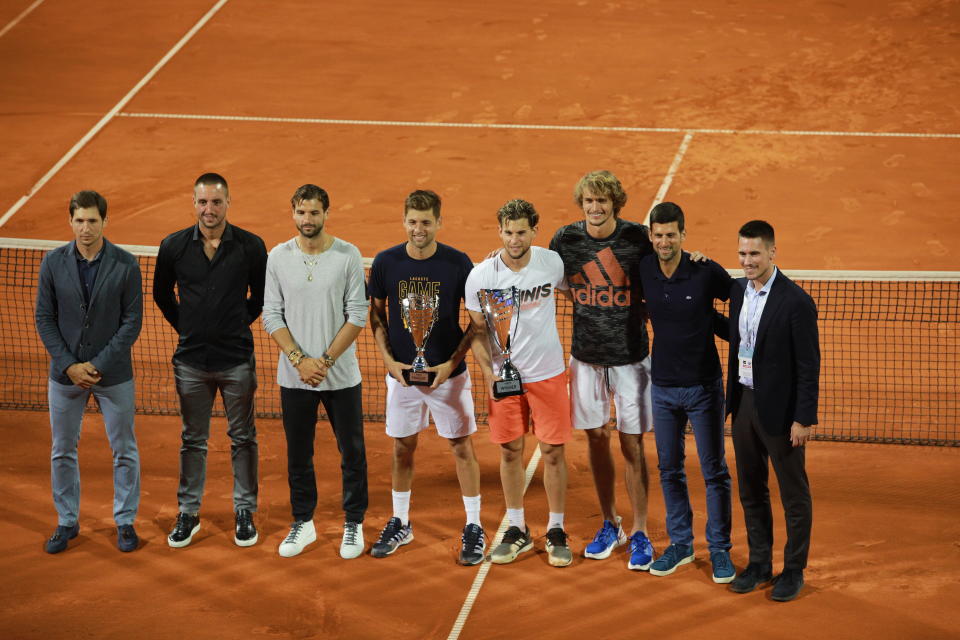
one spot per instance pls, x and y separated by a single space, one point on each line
67 403
197 389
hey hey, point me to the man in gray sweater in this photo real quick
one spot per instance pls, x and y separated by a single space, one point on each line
314 308
89 313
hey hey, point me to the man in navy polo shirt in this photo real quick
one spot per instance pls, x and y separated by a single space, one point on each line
687 385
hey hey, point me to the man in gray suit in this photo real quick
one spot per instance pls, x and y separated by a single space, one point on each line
89 312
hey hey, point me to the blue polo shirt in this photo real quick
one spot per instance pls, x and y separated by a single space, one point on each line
682 314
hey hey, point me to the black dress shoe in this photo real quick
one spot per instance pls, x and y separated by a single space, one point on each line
58 541
246 531
787 585
751 577
127 539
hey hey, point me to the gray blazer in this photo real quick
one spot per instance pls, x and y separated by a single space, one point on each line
102 334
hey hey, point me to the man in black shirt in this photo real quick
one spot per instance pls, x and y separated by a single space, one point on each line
422 265
609 354
219 271
687 384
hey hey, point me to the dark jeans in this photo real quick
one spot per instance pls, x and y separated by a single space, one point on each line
754 447
300 426
197 390
703 406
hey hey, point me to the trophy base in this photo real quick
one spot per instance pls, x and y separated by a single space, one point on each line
420 378
506 388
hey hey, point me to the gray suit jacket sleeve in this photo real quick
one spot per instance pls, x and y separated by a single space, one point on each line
131 318
47 318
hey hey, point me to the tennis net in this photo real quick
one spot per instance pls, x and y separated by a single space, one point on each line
889 343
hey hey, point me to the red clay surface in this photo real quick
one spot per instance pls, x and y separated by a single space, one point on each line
886 551
884 561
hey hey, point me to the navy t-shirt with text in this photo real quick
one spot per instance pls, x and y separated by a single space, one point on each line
394 273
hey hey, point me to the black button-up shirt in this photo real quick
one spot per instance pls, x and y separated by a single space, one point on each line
683 318
218 298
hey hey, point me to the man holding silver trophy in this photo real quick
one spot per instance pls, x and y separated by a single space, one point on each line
415 290
530 385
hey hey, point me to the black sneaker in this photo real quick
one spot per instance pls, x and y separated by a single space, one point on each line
127 539
58 541
392 537
514 543
246 531
558 552
183 532
751 577
473 543
787 585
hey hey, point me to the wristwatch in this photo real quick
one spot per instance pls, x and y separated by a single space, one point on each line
328 359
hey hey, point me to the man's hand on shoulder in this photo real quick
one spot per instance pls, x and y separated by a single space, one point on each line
696 256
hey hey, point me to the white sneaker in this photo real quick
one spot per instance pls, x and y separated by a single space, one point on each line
352 544
301 534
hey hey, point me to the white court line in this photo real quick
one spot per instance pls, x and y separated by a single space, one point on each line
672 171
535 127
68 156
23 14
485 567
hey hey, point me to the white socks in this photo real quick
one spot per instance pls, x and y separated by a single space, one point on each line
515 518
471 505
556 520
401 506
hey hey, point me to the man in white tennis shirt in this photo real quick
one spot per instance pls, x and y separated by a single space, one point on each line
314 308
536 352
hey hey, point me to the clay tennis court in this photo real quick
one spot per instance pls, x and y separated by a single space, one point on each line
837 122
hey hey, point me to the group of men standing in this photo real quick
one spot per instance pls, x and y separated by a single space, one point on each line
312 293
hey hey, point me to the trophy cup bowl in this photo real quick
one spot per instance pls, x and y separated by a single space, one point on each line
499 306
419 314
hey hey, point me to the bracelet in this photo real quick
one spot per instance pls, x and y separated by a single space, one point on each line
328 359
295 356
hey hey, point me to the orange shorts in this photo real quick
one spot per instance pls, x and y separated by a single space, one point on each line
546 401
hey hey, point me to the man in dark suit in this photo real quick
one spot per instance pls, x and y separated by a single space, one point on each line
772 392
89 313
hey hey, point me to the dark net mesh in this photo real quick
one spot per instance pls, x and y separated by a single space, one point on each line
889 354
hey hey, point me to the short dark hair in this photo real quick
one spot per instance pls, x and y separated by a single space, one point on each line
310 192
665 213
422 200
518 210
85 200
758 229
212 179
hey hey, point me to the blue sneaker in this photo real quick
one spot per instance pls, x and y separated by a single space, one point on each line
673 557
608 538
641 552
723 571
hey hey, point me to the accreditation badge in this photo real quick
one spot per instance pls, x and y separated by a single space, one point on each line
745 358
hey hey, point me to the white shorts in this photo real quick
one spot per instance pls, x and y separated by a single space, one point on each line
451 405
590 389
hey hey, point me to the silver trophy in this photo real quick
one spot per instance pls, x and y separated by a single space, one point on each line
499 306
419 314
